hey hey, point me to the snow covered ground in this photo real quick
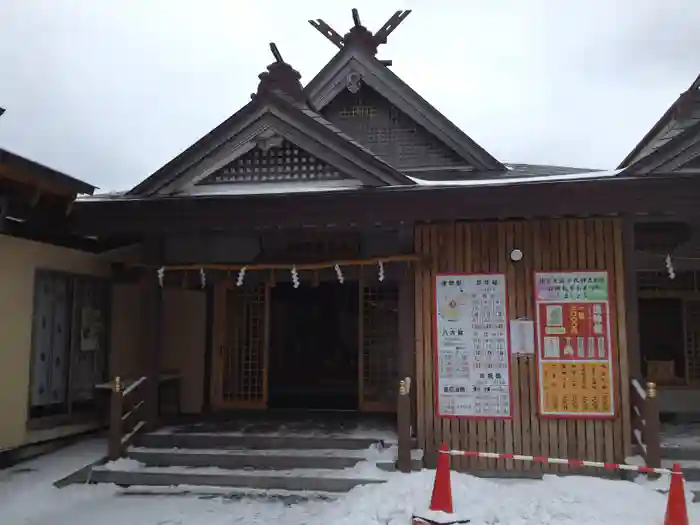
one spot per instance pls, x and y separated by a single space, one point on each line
27 497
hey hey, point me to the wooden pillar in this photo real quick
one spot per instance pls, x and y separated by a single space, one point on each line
407 338
631 299
405 414
151 327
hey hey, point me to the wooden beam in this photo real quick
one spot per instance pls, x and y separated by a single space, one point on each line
359 208
287 266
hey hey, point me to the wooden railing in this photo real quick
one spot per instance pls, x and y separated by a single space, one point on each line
646 427
403 423
127 414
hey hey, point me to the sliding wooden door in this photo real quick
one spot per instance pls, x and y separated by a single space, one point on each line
379 344
241 343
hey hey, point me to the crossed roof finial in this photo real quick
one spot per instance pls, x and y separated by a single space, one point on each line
358 34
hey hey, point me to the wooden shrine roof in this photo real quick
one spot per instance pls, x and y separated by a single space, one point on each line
676 131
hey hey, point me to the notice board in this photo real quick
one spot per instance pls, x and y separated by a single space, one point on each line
574 344
472 353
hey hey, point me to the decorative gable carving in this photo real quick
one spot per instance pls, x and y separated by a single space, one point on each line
388 132
274 160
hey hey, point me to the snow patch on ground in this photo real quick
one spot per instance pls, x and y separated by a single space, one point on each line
27 497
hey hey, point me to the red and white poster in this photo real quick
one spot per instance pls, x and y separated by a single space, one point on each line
574 345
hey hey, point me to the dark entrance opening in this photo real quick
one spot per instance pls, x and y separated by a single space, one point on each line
661 336
314 347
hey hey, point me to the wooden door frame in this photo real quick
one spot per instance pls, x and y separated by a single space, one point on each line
220 341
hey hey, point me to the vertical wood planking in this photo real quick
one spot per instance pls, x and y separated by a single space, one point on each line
533 443
513 441
611 444
623 355
562 244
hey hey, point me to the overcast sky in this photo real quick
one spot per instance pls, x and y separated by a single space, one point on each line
108 91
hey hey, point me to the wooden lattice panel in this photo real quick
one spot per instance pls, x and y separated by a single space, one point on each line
244 360
692 339
283 162
389 133
380 341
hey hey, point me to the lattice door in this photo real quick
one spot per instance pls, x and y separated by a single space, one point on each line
379 348
692 340
244 360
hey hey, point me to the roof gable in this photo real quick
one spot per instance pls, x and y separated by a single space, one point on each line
352 69
683 114
678 155
279 131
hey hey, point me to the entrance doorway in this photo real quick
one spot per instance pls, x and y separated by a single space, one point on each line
662 340
314 347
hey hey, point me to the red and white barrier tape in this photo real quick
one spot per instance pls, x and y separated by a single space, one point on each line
570 462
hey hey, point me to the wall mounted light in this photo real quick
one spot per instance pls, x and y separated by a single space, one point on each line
516 255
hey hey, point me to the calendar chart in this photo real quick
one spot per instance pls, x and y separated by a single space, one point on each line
472 346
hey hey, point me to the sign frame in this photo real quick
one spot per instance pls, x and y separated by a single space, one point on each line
612 350
436 350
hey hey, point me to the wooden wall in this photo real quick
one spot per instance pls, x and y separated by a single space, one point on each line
559 244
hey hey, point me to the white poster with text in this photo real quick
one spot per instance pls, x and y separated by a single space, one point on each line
472 346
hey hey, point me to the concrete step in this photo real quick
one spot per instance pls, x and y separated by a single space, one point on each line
318 480
680 453
690 468
286 497
218 440
275 459
692 486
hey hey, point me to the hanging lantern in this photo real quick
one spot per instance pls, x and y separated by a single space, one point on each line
161 276
241 276
339 273
381 271
669 267
295 277
202 278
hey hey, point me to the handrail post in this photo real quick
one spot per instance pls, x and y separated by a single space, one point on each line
116 407
652 427
403 420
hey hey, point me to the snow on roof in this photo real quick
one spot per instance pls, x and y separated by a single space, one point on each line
503 181
319 187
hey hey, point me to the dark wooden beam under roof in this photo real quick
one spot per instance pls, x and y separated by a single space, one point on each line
596 197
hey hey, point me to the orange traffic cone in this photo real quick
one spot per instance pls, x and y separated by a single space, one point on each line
442 490
676 509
